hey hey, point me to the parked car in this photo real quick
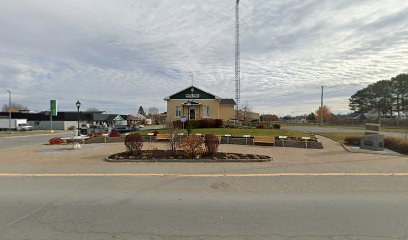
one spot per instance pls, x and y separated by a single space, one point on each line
24 127
97 128
123 129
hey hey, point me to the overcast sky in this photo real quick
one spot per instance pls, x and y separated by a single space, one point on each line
118 54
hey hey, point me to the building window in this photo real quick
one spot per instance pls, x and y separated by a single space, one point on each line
206 112
178 111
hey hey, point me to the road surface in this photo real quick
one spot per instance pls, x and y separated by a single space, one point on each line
26 140
310 194
204 208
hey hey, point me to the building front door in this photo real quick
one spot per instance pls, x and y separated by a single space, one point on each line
192 113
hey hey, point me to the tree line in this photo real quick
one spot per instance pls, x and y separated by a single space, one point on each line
385 97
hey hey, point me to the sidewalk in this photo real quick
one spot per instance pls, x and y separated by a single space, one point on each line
90 159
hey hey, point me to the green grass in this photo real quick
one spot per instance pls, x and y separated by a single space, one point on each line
399 129
237 132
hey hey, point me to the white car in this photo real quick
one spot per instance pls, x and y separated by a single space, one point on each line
24 127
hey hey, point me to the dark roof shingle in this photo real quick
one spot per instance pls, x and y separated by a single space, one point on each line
228 101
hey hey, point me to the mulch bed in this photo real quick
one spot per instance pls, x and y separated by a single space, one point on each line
166 156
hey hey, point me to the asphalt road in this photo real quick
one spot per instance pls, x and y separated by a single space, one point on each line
318 206
26 140
316 129
203 208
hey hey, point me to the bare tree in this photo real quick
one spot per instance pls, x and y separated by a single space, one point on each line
245 112
152 111
174 138
15 107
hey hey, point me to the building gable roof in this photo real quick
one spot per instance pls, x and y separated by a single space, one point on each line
192 92
228 101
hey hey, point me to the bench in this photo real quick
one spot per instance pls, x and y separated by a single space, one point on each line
268 140
163 137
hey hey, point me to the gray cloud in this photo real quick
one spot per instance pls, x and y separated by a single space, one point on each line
117 55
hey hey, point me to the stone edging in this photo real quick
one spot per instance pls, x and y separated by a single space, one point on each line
107 159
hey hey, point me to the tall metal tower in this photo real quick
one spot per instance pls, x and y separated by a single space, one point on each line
237 63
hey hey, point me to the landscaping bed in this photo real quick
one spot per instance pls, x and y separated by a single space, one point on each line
181 156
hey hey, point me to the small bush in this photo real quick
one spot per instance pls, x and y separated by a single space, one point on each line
192 145
194 124
352 140
396 144
211 144
201 123
134 144
218 123
262 126
276 126
56 141
114 134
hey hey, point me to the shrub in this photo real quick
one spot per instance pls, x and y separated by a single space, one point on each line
201 123
134 144
192 145
193 124
114 134
206 123
276 126
262 126
211 144
56 141
218 123
352 140
396 144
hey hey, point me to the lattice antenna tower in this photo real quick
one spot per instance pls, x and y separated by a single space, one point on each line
237 62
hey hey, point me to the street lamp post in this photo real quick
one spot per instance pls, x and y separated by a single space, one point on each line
78 105
9 92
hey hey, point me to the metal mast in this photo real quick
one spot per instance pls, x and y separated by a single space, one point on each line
237 62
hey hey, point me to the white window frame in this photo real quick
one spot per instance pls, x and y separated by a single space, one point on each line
206 112
179 111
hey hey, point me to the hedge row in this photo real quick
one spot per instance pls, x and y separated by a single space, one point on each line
395 144
202 123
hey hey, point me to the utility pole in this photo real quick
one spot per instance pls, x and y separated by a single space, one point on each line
237 62
9 92
321 108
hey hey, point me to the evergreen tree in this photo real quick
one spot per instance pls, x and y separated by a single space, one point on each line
141 111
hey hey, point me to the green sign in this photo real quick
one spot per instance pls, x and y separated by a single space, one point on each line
118 119
53 107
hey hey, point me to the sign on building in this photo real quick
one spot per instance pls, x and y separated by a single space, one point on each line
118 119
192 95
